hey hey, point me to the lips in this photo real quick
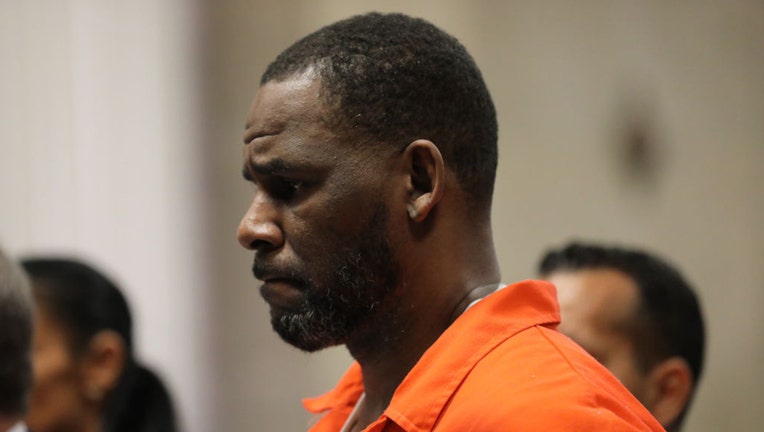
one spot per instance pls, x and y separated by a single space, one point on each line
279 278
277 282
282 294
267 272
282 281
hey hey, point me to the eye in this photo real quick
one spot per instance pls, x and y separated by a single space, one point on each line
293 185
287 188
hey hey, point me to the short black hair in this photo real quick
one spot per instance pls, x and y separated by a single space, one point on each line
16 311
668 321
392 79
85 302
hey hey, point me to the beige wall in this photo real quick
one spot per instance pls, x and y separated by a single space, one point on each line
99 158
120 128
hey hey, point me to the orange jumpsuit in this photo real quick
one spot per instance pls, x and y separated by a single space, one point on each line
501 366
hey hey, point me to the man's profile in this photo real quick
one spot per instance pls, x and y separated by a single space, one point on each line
371 146
16 309
635 314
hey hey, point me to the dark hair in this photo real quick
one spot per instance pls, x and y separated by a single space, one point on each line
15 339
392 79
668 321
85 302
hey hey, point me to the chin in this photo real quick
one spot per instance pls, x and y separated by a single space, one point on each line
296 330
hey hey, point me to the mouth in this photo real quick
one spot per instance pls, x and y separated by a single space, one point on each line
281 288
282 293
267 272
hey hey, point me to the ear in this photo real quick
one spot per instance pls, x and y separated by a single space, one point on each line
670 390
426 174
103 364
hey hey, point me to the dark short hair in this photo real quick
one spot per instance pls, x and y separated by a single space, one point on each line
668 320
15 339
392 79
85 302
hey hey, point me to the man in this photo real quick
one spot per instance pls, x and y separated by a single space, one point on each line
636 315
371 146
16 311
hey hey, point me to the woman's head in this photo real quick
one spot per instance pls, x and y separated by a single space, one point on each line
85 377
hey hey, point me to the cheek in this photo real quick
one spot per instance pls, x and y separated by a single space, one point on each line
622 365
314 228
56 392
330 221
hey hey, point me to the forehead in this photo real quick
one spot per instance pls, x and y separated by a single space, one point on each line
598 297
289 128
280 105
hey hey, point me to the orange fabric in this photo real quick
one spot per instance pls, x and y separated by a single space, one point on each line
501 366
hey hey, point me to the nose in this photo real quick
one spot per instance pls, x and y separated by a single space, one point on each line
259 228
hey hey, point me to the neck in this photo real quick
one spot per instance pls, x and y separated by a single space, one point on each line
431 296
6 423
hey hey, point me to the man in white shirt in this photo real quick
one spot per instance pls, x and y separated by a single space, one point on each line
16 309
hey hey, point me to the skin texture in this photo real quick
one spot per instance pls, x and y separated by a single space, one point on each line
597 306
322 201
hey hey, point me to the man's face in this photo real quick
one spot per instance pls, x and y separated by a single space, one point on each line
318 222
596 306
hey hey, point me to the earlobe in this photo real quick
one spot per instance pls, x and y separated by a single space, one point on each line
103 364
426 171
672 387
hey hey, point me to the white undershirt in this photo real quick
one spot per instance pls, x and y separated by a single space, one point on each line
19 427
353 417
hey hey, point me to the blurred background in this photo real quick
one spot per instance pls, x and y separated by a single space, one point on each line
640 123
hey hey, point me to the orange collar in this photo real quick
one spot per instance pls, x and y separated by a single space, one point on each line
444 365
